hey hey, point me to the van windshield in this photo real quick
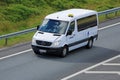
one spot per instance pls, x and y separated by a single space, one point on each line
53 26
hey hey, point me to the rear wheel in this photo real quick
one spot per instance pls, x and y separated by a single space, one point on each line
90 43
64 52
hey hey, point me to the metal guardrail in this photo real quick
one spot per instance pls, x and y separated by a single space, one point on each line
106 12
109 11
16 34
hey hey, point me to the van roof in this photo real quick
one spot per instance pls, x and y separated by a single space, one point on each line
70 14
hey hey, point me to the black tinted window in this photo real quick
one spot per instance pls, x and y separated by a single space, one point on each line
86 22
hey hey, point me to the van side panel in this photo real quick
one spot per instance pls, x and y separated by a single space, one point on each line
86 28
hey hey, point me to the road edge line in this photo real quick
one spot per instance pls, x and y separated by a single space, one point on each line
15 54
109 26
84 70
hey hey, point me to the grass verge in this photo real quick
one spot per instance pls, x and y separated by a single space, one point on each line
16 40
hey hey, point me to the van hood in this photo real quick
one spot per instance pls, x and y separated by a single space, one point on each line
50 37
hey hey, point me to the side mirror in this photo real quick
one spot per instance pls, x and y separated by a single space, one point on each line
69 32
38 27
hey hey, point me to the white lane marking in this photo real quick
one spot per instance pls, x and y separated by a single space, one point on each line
86 69
118 73
15 54
109 26
103 72
111 64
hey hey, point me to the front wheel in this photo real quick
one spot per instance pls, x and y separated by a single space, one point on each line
64 52
90 43
36 51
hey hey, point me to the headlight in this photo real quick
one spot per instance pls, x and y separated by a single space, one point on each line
56 43
33 40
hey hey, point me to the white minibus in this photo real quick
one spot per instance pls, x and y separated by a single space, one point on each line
65 31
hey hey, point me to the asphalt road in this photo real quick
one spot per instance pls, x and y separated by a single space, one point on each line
28 66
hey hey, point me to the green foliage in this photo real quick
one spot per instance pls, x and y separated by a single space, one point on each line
19 12
17 15
66 4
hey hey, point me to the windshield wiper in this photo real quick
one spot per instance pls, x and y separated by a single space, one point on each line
56 34
40 32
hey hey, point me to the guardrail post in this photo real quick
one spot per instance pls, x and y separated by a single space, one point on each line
115 13
106 16
6 41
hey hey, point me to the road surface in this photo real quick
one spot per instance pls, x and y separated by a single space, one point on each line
102 62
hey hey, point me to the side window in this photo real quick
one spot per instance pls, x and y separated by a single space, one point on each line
71 28
80 24
86 22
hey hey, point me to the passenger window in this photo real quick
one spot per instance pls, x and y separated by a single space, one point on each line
71 28
86 22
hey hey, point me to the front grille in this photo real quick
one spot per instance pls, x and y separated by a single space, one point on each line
43 43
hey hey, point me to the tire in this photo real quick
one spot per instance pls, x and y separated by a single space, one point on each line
90 43
36 51
64 52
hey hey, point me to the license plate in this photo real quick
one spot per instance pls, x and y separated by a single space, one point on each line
43 51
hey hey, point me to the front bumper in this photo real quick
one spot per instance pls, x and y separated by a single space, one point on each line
47 49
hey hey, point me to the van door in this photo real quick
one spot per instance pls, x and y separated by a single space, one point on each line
71 35
82 33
